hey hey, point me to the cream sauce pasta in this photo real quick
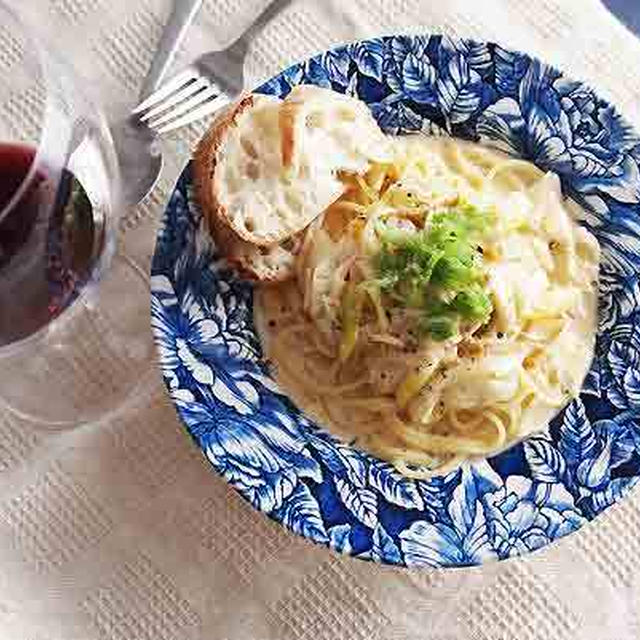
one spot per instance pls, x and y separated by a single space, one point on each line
443 308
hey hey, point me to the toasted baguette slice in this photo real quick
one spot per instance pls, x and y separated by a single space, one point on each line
330 131
266 264
251 190
275 165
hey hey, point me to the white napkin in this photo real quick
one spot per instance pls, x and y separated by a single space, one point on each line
116 529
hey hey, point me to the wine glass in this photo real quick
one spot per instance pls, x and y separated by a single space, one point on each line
60 199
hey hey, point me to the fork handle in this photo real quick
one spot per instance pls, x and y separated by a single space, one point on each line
268 14
182 15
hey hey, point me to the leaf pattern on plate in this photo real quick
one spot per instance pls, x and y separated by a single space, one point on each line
301 513
546 463
459 90
395 487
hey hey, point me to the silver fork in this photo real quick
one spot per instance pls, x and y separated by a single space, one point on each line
139 155
205 86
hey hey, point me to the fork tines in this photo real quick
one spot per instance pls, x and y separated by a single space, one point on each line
185 98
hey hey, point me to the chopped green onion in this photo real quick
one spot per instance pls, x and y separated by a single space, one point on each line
438 269
438 327
473 304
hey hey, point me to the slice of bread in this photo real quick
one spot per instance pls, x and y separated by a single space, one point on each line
330 131
259 198
274 166
266 264
267 168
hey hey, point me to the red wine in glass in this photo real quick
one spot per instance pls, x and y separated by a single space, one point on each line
46 241
15 163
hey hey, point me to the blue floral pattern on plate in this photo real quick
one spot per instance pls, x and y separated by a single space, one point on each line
298 473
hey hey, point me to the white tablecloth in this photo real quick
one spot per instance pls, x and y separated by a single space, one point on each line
117 529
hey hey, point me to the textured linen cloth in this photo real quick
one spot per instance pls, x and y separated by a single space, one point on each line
116 528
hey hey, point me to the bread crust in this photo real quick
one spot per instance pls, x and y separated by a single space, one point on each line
272 263
205 161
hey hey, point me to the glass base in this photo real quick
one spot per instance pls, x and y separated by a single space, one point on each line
90 360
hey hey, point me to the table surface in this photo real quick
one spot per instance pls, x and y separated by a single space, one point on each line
116 528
